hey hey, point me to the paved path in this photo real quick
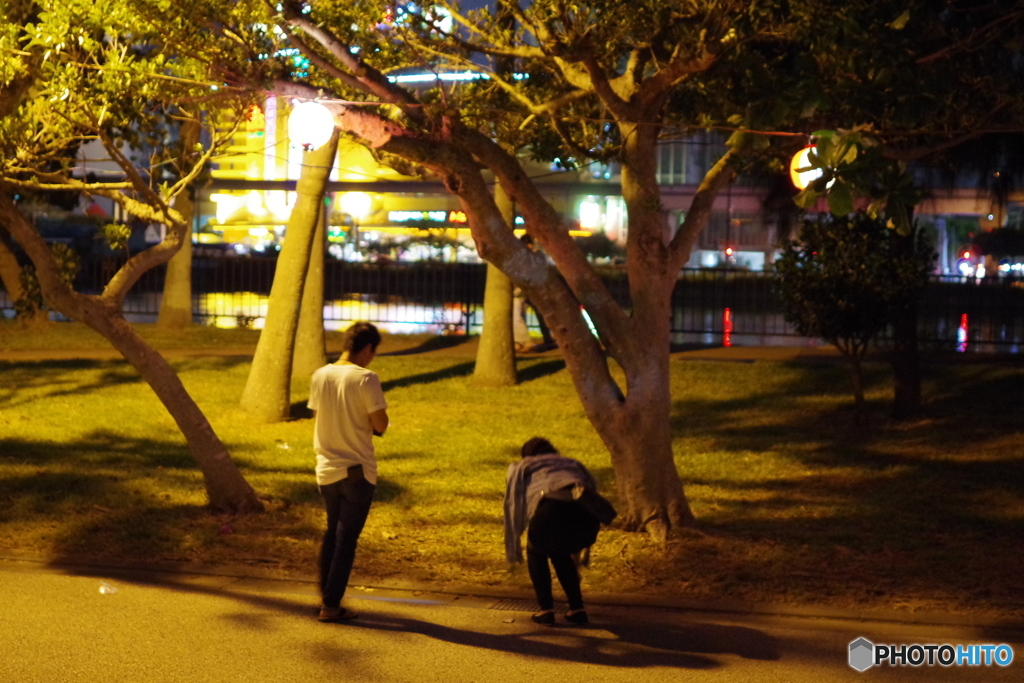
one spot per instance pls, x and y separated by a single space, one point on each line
56 626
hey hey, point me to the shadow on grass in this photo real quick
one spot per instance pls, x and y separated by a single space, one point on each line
101 448
962 414
432 344
51 377
540 369
299 411
925 510
41 492
458 370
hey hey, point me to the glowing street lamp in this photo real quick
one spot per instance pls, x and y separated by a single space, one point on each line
310 125
800 171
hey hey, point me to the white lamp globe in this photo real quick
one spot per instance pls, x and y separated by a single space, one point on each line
800 171
310 125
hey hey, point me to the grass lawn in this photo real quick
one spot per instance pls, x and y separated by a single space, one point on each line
798 502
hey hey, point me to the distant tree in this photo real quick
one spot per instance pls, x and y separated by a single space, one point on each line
845 279
176 302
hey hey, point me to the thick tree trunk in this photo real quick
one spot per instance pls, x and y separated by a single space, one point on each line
10 271
176 303
310 344
267 393
495 357
639 438
225 486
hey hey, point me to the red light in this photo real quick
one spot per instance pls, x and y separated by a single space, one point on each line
728 251
967 254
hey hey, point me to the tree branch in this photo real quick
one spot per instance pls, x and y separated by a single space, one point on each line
715 180
547 226
366 78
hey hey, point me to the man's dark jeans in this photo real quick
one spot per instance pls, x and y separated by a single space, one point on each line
348 503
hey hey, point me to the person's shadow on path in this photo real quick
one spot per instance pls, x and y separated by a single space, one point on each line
633 645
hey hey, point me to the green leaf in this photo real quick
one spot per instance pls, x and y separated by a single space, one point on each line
807 198
900 21
824 134
850 156
840 199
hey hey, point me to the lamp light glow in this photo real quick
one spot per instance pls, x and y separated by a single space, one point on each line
310 125
800 172
359 205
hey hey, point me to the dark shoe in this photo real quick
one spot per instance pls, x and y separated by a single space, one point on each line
333 616
547 618
578 617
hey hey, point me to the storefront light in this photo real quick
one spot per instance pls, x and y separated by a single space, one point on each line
359 205
590 214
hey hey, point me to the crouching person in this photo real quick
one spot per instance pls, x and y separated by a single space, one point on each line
540 500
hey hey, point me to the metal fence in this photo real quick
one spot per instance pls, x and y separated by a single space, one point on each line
708 306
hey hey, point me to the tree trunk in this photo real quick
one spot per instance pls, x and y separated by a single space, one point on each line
267 393
10 271
310 344
227 489
858 381
495 357
225 486
176 303
906 365
639 438
905 357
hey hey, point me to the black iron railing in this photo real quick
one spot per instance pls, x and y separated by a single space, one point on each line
711 306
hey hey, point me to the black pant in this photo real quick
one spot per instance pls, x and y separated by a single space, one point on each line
545 332
557 530
348 503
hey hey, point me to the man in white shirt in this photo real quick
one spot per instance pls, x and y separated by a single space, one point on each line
348 404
